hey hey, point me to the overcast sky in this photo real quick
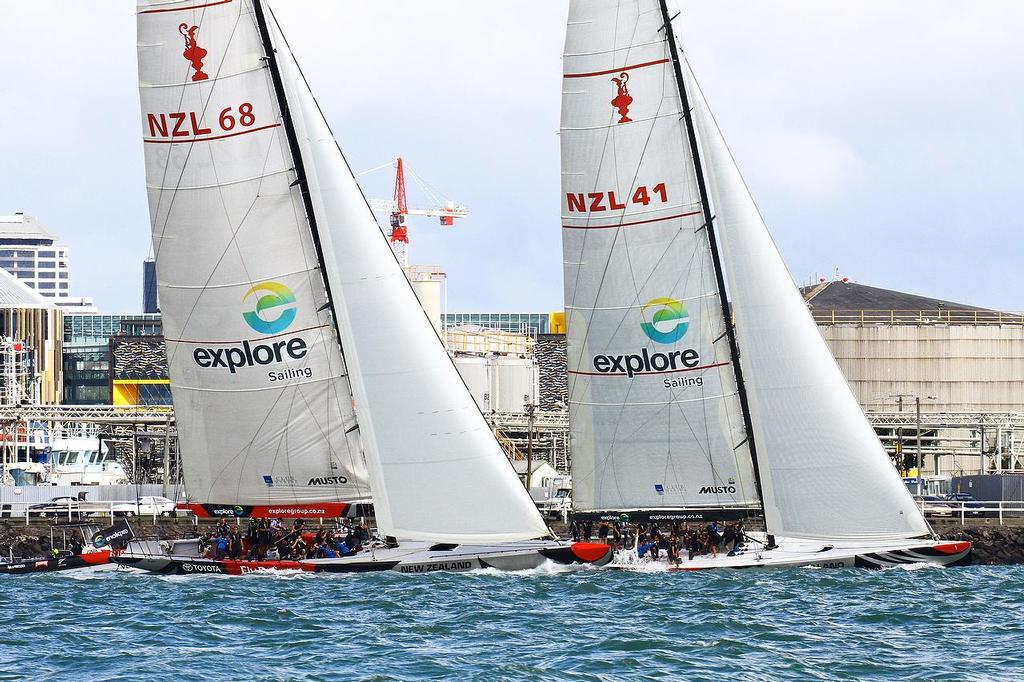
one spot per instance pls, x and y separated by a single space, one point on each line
886 139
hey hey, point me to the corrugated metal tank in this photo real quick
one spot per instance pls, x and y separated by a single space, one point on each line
515 382
966 367
475 371
500 383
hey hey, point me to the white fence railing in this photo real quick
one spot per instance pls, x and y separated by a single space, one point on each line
85 511
972 510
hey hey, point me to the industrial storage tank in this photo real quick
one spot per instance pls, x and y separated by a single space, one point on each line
514 382
475 371
499 383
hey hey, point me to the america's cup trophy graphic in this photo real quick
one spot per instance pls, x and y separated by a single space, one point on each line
193 52
622 100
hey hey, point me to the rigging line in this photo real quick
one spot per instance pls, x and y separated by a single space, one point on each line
191 146
246 447
338 489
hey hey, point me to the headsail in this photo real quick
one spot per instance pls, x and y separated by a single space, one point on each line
656 419
437 472
262 399
824 473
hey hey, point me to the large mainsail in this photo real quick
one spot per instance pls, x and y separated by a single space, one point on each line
436 470
654 407
824 473
260 387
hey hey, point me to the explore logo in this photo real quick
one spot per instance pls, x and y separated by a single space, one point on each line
669 322
262 319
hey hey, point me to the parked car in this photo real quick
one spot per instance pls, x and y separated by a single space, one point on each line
934 505
57 507
971 506
152 505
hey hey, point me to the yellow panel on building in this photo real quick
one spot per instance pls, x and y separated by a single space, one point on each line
126 391
556 323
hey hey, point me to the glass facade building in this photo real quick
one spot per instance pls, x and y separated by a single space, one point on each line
89 376
515 323
31 253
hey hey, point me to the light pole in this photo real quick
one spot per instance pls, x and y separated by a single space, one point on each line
529 444
917 403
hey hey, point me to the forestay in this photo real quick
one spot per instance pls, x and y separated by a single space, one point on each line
654 409
262 401
437 472
824 473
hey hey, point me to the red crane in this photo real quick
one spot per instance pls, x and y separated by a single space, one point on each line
398 209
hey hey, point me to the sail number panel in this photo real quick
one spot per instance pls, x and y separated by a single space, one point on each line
594 202
191 126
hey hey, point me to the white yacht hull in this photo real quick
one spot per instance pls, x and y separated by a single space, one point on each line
795 553
408 557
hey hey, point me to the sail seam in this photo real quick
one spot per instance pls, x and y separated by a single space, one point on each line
171 188
191 82
664 402
630 224
185 9
290 332
670 114
607 72
624 48
260 389
246 283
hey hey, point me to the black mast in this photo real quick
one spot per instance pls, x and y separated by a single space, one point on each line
691 134
293 146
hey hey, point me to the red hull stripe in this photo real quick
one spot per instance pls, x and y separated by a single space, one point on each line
313 510
185 9
96 558
645 374
589 552
953 547
638 222
208 138
611 71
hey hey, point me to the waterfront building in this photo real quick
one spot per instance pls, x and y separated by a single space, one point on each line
32 253
88 359
516 323
150 304
30 345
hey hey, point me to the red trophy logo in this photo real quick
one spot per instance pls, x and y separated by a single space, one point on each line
622 100
193 52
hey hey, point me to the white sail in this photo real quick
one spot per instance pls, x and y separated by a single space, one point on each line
437 472
262 402
824 473
654 409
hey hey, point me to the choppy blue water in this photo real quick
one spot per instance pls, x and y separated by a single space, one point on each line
798 624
